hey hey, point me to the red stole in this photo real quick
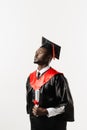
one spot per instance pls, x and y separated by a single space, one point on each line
37 83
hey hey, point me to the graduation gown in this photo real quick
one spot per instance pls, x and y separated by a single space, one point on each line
54 92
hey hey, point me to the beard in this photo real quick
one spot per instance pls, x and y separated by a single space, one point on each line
38 62
35 62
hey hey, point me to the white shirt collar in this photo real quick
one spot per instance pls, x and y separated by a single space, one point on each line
43 70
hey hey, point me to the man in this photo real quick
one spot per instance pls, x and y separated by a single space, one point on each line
55 106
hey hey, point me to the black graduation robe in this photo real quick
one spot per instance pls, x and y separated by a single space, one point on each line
54 92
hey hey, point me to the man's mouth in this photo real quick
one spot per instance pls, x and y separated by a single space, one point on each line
35 59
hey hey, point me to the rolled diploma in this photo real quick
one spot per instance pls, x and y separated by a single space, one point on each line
37 96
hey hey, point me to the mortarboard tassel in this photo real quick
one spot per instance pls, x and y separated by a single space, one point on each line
53 49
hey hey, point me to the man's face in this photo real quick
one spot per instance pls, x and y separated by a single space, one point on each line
41 56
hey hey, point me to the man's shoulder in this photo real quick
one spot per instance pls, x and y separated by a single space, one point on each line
55 71
32 73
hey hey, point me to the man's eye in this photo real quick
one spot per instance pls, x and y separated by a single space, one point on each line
40 52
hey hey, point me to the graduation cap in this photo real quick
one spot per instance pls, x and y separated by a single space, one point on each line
51 47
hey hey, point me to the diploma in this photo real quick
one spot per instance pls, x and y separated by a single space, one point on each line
37 96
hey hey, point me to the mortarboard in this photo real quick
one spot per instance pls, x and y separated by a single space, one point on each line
52 48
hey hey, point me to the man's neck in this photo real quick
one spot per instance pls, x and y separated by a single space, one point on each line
40 67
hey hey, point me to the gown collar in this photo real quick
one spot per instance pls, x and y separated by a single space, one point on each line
42 70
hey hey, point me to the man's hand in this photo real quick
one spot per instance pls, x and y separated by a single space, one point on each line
39 111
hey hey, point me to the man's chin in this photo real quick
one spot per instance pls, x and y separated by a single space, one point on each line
35 62
38 62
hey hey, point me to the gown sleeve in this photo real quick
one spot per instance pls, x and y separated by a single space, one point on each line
64 96
28 96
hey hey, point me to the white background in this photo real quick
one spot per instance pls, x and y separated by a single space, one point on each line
22 25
